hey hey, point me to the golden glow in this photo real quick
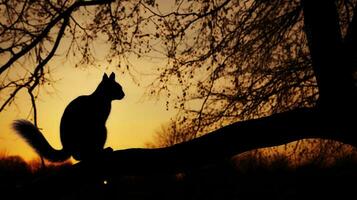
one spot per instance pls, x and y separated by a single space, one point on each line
131 123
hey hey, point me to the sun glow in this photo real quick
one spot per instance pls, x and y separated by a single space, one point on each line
130 124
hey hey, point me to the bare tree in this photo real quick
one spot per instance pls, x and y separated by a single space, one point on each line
232 60
239 60
170 134
287 68
227 60
34 32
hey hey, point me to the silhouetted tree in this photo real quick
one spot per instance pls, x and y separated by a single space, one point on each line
233 60
248 59
286 70
239 60
32 31
283 69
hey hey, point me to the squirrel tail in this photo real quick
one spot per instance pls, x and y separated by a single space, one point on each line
38 142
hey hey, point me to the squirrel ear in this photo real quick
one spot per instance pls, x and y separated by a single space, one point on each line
112 76
105 76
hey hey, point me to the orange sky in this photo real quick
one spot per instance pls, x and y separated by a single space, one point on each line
131 123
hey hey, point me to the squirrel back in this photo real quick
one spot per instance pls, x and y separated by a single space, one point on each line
82 130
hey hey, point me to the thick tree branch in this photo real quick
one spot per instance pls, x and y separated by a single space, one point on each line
234 139
330 121
214 147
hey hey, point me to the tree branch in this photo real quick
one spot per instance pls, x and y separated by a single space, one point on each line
214 147
34 107
35 75
12 95
49 26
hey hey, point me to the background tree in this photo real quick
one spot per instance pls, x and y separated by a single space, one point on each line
170 134
227 60
239 60
32 31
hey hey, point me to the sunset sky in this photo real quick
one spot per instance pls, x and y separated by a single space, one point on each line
131 123
135 119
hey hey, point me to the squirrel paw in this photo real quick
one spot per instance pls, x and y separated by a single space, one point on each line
108 150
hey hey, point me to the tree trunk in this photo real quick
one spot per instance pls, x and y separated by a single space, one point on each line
333 63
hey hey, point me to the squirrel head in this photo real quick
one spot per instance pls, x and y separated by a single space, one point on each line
111 88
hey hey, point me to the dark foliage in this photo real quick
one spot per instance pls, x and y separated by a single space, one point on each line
224 180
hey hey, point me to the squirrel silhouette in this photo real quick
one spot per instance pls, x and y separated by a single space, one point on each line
82 130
